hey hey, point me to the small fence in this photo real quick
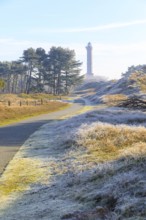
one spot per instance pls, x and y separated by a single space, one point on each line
28 103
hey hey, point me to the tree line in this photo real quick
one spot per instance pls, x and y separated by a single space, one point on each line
55 72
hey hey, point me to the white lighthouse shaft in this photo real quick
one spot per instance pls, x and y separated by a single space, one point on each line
89 60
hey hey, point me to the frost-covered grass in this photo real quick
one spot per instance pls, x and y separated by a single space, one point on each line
139 79
112 92
104 142
89 169
113 99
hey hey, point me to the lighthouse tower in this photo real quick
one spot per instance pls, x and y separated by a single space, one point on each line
89 73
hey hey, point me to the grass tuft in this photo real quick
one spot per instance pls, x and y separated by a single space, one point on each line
114 99
104 142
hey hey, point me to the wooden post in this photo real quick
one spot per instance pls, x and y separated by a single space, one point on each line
9 103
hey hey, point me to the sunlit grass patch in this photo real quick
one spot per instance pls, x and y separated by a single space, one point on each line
68 98
105 142
138 150
10 97
38 96
85 109
114 99
109 163
81 111
139 79
16 113
20 174
32 96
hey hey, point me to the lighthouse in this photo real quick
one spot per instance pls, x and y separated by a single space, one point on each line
89 73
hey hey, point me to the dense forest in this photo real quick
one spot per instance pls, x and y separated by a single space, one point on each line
55 72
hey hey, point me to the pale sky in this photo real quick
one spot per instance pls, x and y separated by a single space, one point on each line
115 28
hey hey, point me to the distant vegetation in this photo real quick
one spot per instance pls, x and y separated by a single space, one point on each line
55 72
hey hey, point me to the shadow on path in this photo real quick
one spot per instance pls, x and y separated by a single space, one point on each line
13 136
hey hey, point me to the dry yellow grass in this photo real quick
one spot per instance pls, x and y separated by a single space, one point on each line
22 96
101 143
138 150
26 99
140 80
6 97
38 96
16 113
106 142
18 177
114 99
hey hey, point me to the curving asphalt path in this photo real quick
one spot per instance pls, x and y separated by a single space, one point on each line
13 136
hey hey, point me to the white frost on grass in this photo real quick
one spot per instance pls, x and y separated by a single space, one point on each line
70 185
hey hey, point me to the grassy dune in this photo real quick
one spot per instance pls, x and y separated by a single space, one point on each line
92 170
103 167
110 161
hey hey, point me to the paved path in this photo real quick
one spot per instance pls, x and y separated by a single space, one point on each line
13 136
